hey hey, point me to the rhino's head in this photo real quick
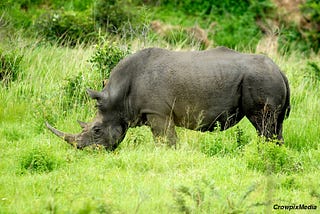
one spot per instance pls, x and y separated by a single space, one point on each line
105 131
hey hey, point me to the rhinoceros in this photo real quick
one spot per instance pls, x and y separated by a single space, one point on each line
198 90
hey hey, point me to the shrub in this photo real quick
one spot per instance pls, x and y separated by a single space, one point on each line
38 161
236 22
197 198
303 36
66 27
241 137
238 32
13 134
121 17
271 158
75 5
311 23
186 37
21 4
230 23
106 56
313 71
204 197
10 67
212 144
75 91
218 143
198 7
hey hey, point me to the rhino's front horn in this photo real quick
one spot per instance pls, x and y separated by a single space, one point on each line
70 138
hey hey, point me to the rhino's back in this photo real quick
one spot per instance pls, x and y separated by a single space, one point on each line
199 76
200 85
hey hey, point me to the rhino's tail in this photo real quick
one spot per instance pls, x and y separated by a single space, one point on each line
287 107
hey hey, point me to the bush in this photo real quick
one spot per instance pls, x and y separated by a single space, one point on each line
205 197
313 72
75 91
236 22
121 17
10 67
66 28
303 36
23 4
38 161
230 23
185 37
197 198
78 5
199 7
214 145
75 5
106 56
271 158
311 23
217 143
237 32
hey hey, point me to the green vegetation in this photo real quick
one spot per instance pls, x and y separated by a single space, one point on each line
238 25
106 57
66 27
45 67
10 67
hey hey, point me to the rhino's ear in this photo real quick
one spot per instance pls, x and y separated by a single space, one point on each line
95 94
104 83
99 96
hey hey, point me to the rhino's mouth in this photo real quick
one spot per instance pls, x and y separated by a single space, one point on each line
69 138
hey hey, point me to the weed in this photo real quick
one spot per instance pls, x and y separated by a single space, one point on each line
75 91
185 38
212 146
271 158
38 161
315 193
120 17
217 142
136 137
241 137
106 56
13 134
194 199
138 178
310 22
313 72
204 197
290 183
10 66
66 28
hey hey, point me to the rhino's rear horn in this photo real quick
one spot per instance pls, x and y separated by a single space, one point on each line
70 138
82 124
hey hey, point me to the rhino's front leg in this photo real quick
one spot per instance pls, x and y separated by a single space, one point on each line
163 129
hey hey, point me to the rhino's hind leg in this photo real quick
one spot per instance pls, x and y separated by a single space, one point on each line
268 123
163 129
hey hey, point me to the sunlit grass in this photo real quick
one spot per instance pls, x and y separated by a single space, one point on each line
219 172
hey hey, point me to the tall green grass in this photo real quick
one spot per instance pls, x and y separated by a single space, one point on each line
220 172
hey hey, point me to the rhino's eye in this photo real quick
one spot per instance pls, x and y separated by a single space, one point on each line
96 130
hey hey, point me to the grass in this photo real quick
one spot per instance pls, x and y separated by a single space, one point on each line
219 172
